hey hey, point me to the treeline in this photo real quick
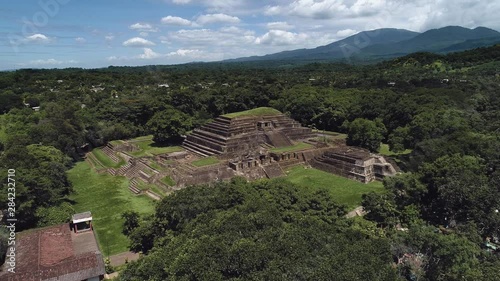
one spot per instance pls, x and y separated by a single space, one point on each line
446 109
273 230
269 230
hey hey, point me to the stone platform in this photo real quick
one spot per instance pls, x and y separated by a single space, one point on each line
232 136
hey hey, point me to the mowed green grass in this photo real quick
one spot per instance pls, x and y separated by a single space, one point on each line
296 147
205 161
105 160
149 148
107 197
253 112
343 190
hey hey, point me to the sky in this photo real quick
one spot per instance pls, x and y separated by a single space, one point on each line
100 33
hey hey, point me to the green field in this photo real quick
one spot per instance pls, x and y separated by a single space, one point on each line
107 197
296 147
205 161
384 150
253 112
343 190
105 160
149 148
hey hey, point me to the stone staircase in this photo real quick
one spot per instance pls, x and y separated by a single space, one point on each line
108 150
278 139
198 149
122 170
273 170
133 186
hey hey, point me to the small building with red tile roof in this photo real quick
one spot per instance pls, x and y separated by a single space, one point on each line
56 253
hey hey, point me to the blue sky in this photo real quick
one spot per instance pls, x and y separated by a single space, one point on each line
99 33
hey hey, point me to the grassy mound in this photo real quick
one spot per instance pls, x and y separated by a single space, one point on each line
253 112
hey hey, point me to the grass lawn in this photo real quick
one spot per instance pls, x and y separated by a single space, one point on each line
107 197
116 142
296 147
384 150
205 161
253 112
344 190
168 181
96 164
105 160
149 148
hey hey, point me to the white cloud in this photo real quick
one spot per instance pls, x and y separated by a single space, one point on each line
80 40
329 9
322 9
345 32
171 20
109 37
224 6
215 18
140 26
186 53
138 42
282 25
46 62
273 10
281 38
143 27
203 38
180 55
37 38
149 54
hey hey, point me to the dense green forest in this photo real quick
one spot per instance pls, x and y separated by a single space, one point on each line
446 108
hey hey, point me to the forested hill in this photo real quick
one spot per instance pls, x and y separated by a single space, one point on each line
388 43
445 109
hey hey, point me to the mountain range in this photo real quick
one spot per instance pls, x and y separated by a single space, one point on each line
388 43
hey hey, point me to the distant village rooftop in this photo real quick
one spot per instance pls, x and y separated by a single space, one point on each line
260 111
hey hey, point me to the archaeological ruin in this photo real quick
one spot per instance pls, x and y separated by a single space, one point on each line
259 143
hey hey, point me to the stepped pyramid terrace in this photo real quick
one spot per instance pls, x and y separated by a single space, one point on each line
258 143
232 134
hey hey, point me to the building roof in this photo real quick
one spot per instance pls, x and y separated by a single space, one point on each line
55 253
86 216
